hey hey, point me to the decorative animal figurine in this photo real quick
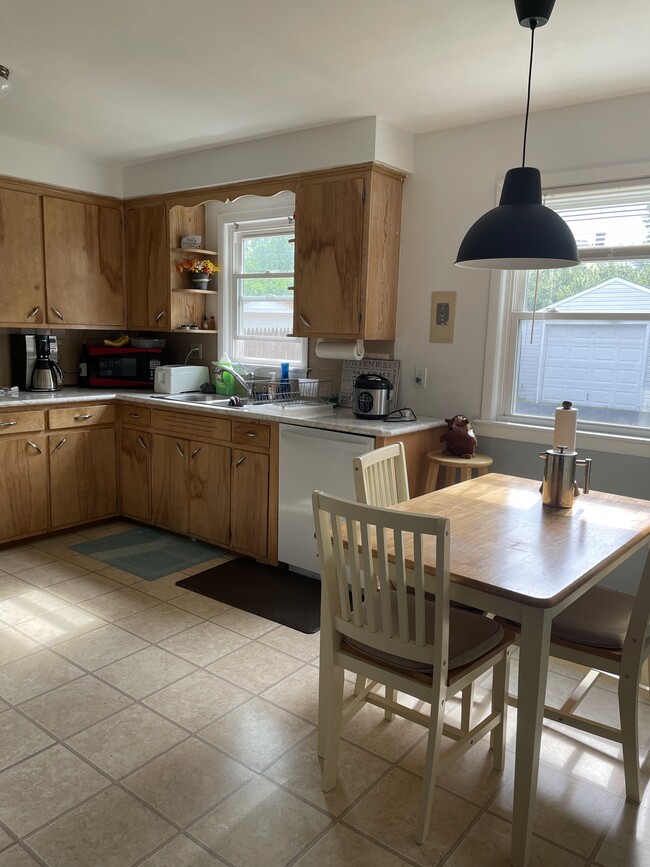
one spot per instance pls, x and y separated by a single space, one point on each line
460 438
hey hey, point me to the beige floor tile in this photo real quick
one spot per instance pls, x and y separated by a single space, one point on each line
44 786
260 826
257 733
50 573
627 841
255 666
99 531
27 606
388 813
297 693
17 857
159 622
163 588
15 645
59 540
186 782
145 672
244 622
119 604
101 647
119 575
182 852
61 625
341 846
306 647
11 586
70 708
85 587
199 605
602 705
201 567
88 563
198 700
204 643
388 739
126 740
567 811
111 830
301 772
5 840
20 738
24 557
35 674
488 844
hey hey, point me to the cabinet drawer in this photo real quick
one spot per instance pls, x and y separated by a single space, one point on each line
192 425
135 416
19 422
251 434
82 416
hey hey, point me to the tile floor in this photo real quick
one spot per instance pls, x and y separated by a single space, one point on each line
143 724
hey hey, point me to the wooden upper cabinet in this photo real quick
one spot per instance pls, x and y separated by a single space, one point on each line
347 255
147 267
21 259
83 263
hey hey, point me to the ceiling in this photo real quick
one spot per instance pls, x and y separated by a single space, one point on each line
127 80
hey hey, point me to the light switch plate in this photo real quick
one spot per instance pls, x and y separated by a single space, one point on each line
443 317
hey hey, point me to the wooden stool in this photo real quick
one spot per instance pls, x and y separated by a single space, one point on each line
480 463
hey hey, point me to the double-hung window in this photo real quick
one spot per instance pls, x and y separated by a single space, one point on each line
583 334
260 284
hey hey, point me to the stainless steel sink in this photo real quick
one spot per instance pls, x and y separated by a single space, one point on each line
193 397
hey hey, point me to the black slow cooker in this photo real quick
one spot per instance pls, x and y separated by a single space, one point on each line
371 396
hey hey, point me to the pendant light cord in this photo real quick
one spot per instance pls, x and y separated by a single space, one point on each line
533 25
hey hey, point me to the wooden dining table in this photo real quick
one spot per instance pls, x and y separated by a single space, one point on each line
514 557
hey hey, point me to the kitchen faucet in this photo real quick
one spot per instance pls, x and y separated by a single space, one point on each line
247 384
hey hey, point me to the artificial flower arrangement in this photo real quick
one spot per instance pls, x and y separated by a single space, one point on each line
198 266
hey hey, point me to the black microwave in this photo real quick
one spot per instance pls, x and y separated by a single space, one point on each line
122 368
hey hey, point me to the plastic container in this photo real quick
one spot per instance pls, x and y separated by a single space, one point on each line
284 388
308 388
224 383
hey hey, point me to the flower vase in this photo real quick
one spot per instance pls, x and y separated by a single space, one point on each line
200 281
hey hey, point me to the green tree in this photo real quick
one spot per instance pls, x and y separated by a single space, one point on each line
558 284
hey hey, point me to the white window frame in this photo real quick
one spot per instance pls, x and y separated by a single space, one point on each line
499 371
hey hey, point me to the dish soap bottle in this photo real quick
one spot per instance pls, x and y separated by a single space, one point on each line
284 388
224 383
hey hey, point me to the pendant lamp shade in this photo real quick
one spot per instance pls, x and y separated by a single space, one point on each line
520 233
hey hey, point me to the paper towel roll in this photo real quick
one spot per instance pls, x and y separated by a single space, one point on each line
345 349
566 423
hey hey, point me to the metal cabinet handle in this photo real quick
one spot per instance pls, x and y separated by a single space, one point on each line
34 446
34 312
59 446
160 315
195 452
142 443
8 423
180 451
240 461
57 312
82 417
251 433
304 321
134 415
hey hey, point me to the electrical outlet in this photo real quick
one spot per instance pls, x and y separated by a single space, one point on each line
420 377
197 350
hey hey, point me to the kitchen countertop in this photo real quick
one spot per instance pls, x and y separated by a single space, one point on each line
341 419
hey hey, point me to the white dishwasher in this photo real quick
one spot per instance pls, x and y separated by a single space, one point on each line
311 460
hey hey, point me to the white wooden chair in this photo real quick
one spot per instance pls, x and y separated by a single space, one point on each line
380 477
400 640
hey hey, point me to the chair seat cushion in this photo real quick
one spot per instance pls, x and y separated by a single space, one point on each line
599 618
470 635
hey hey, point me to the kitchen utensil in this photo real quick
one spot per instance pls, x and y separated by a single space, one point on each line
371 396
559 488
47 375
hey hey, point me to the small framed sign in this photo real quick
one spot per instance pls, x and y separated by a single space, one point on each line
191 242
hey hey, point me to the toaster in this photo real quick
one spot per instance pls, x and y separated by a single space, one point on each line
175 378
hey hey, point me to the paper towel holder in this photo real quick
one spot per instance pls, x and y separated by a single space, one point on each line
357 353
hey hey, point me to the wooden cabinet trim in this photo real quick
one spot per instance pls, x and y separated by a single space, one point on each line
191 425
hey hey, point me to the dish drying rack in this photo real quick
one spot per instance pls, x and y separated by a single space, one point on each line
294 394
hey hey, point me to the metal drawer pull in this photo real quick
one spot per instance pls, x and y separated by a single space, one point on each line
34 312
134 415
142 443
8 423
180 451
240 461
160 316
304 321
59 446
34 446
82 417
57 312
195 452
251 433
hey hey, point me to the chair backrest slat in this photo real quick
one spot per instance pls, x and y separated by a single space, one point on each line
400 588
380 476
339 557
355 573
383 575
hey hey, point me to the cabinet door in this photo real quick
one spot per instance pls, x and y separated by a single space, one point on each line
170 489
21 259
135 474
147 268
250 502
23 486
83 263
210 492
329 255
82 476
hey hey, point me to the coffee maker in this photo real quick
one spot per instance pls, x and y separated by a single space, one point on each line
35 362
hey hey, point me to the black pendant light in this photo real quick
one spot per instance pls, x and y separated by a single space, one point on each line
521 234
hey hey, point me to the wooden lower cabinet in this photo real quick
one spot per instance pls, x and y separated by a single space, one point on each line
135 474
250 502
24 486
171 483
83 477
209 485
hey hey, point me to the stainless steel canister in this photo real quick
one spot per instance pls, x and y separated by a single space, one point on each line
559 487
